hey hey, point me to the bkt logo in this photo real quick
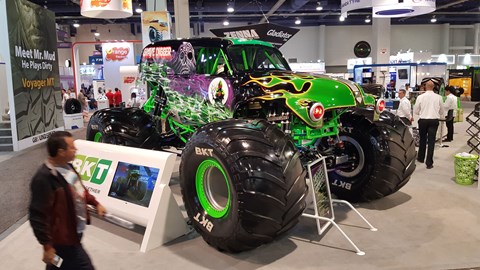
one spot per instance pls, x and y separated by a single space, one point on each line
91 168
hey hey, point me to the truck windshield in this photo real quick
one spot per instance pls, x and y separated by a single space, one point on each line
256 58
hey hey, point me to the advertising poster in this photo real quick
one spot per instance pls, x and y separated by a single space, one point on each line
156 26
34 65
116 55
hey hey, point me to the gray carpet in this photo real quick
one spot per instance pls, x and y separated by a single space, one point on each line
15 175
431 223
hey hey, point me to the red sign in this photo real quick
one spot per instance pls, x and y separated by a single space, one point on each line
116 54
158 53
99 3
128 79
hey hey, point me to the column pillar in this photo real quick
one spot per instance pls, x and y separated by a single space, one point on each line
321 42
446 38
154 5
476 39
182 19
381 45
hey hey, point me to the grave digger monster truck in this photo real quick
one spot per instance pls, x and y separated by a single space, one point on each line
248 125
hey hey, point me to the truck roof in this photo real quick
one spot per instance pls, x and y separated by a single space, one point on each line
215 42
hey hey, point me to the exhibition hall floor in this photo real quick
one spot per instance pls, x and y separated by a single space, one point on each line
431 223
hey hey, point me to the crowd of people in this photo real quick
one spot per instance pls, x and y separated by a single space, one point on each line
431 109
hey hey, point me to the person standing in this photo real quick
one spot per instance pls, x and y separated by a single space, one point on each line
58 207
81 99
110 98
117 97
429 108
450 104
408 90
404 110
65 96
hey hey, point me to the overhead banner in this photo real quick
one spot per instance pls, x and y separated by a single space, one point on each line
390 8
275 34
349 5
106 9
116 55
405 8
156 26
32 39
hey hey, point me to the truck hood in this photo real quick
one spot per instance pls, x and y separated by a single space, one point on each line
300 90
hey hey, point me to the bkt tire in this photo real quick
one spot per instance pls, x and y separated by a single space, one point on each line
381 157
242 183
72 106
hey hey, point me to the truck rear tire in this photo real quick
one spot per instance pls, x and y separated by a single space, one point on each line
242 183
382 157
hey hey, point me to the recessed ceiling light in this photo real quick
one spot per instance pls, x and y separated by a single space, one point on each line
319 8
76 25
298 21
368 20
139 10
433 20
230 9
226 22
341 18
97 34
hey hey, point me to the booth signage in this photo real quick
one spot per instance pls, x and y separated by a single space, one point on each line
34 92
95 60
275 34
132 184
117 53
389 8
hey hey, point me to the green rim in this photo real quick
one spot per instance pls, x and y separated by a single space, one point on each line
213 189
98 137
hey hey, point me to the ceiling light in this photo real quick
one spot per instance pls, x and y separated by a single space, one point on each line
230 6
97 34
433 20
341 18
139 10
368 20
319 8
76 25
226 22
298 21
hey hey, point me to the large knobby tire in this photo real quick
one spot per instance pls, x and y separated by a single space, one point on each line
242 183
381 157
98 131
72 106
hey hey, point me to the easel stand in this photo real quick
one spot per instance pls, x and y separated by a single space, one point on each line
319 187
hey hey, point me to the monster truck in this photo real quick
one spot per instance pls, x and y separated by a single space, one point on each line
247 126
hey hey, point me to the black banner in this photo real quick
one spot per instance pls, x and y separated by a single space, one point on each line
275 34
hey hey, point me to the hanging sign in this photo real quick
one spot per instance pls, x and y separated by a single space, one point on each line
394 9
390 8
106 9
156 26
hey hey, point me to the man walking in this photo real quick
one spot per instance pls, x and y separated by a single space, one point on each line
429 107
58 207
404 110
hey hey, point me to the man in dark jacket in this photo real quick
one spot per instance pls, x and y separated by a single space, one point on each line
58 208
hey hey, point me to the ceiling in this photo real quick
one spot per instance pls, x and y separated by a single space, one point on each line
283 12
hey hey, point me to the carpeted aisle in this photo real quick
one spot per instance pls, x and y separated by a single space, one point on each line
15 175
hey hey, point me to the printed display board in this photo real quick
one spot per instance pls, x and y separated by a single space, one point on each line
32 42
132 184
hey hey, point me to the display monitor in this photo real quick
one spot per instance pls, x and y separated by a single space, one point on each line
402 74
133 183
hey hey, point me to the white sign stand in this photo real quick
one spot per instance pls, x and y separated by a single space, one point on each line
314 182
99 164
